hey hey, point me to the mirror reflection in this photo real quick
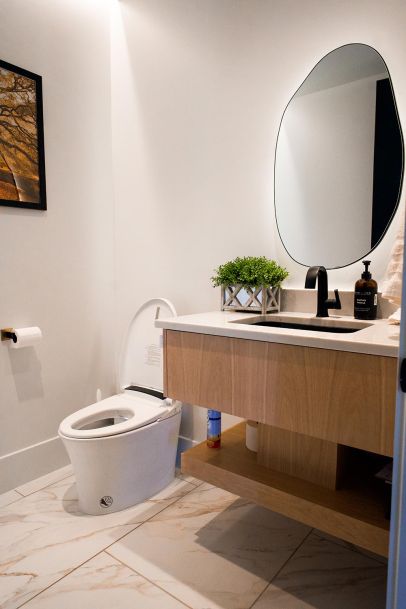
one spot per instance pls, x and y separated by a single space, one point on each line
339 160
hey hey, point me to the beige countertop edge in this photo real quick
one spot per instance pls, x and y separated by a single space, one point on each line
380 338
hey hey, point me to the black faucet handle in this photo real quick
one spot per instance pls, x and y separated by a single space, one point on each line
334 303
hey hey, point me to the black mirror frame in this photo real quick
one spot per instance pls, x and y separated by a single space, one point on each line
401 175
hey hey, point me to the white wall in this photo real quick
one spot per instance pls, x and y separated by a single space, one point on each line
198 90
324 174
57 266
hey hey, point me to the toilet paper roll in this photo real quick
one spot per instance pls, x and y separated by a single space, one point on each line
251 436
26 337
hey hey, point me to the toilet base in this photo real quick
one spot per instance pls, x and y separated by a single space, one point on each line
118 471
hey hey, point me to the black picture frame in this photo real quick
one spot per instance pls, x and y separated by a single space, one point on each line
32 193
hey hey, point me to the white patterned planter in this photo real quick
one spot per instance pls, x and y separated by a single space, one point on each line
239 298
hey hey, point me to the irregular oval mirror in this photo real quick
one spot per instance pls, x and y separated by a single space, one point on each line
339 160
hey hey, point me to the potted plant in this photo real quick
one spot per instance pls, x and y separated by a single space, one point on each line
250 284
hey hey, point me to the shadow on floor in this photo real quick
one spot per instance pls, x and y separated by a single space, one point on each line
217 554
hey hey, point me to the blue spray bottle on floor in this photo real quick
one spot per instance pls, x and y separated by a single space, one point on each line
213 428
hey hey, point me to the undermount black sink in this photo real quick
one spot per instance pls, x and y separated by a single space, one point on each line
311 327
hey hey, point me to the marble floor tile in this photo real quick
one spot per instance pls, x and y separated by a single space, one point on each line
326 575
351 546
211 550
104 583
187 478
44 536
9 497
40 483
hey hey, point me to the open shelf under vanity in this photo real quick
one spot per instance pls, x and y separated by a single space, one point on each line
355 512
325 427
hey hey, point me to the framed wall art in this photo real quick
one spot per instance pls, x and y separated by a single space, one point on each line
22 158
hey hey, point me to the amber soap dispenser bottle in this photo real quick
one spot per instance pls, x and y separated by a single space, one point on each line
366 295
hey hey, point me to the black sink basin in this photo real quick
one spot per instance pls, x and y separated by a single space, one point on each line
311 327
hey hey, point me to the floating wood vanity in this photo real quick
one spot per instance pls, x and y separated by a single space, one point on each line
319 410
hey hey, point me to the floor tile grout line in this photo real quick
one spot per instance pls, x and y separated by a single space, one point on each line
182 477
44 487
291 556
281 568
189 607
11 502
22 496
151 581
74 569
351 547
72 474
137 525
190 482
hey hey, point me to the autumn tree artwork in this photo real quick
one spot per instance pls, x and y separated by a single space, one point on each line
22 175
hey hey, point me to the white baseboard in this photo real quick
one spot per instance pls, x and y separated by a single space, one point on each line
31 462
184 444
34 461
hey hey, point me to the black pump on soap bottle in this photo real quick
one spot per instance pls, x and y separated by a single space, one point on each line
366 295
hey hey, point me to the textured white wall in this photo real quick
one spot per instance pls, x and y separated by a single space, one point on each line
198 90
57 266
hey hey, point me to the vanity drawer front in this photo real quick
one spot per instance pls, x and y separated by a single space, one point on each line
348 398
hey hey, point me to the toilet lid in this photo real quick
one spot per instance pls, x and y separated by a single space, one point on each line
142 356
116 415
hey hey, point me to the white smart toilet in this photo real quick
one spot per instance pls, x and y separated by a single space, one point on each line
123 448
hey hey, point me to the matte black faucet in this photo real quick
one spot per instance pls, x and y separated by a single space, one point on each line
319 273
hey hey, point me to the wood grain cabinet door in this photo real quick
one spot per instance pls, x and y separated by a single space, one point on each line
344 397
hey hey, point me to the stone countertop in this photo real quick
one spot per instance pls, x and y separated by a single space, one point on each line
378 338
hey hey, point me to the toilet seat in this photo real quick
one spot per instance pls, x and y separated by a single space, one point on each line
115 415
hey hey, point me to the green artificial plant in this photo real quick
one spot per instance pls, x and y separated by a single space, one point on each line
251 271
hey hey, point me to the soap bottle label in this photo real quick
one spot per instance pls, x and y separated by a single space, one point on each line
365 304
